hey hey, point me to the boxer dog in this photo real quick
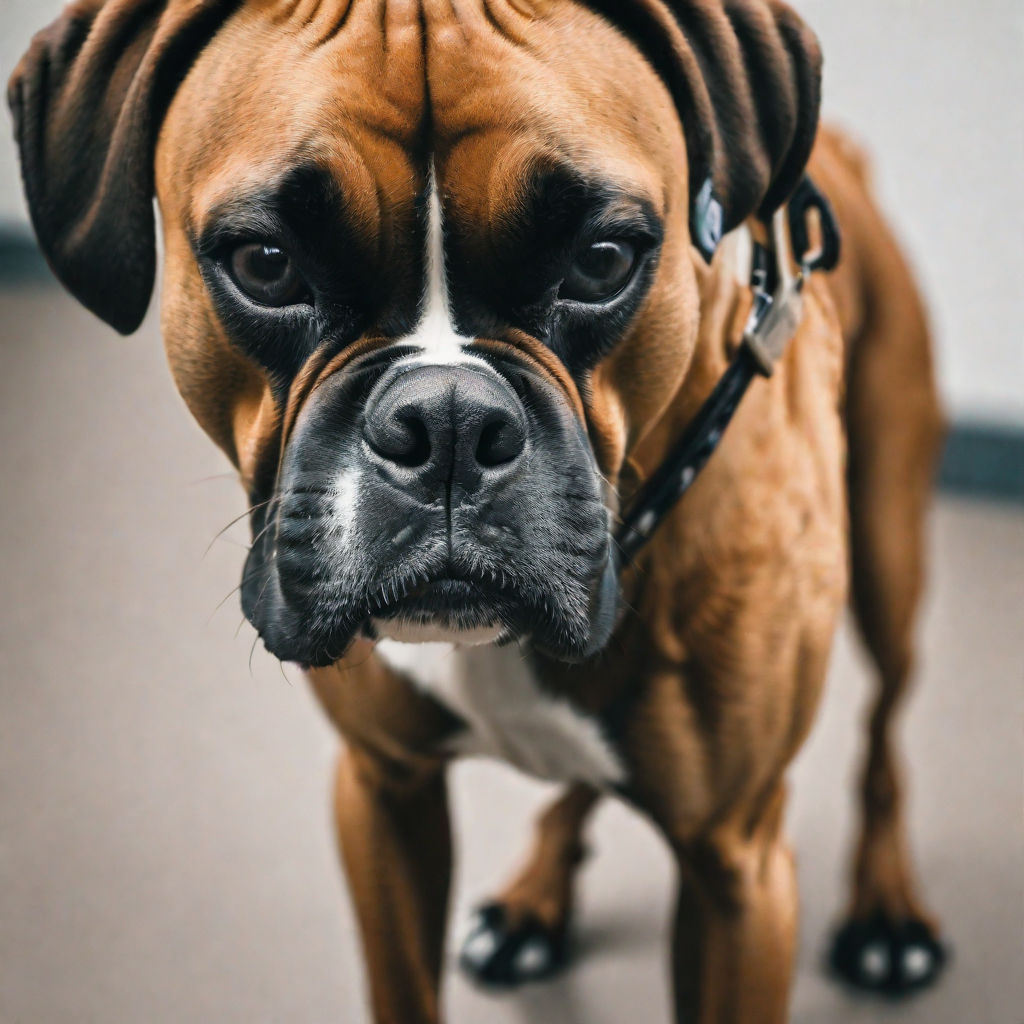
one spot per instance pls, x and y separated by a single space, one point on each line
441 280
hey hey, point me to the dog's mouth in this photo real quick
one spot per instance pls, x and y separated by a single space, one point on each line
472 608
310 612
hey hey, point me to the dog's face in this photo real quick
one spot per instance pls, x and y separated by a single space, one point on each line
421 238
428 281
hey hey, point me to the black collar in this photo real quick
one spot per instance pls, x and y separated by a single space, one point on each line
773 321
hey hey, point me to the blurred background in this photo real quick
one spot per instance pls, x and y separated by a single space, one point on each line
165 844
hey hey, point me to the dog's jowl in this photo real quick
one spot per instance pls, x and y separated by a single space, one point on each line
447 280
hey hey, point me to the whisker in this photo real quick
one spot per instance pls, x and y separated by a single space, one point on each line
235 543
230 475
224 600
271 520
284 675
247 512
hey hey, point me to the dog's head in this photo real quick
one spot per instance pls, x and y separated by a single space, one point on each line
430 269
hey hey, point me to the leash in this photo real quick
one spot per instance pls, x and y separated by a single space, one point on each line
774 319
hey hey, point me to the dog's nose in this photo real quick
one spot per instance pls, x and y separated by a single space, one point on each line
446 423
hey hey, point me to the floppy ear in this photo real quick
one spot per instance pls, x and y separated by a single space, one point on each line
88 99
746 78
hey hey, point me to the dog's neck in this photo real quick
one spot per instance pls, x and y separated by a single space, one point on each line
725 300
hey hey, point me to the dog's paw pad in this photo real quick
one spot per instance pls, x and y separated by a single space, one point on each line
893 959
496 954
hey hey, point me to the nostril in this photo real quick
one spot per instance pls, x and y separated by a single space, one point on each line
501 441
403 439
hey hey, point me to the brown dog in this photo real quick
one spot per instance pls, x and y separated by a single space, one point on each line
436 283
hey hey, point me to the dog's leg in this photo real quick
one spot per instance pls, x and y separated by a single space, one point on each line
735 928
889 942
522 934
396 846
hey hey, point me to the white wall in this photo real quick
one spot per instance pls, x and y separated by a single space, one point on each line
935 88
19 21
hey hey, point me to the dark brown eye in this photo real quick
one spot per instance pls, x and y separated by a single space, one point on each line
599 272
267 275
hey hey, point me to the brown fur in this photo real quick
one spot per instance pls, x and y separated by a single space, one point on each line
722 658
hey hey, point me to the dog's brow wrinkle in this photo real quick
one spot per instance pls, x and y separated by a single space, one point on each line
492 19
524 8
455 21
305 12
285 12
336 23
402 23
508 17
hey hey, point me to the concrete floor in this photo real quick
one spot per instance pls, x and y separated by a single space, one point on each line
165 847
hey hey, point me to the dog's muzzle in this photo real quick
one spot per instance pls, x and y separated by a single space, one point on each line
433 501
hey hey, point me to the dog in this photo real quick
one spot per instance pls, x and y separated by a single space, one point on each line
446 280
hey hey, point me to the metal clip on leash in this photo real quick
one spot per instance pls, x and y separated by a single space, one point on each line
776 315
774 319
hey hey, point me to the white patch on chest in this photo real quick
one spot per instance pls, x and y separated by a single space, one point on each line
507 715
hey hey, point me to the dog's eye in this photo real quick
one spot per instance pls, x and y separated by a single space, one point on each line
267 275
600 272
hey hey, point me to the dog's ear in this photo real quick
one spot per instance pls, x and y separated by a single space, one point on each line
746 78
88 99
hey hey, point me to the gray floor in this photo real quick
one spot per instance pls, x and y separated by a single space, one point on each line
165 850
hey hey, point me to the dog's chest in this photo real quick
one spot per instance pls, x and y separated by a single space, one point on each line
507 715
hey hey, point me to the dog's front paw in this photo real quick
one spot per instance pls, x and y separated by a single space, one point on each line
501 954
888 957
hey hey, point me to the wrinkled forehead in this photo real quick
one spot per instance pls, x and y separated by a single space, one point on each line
489 90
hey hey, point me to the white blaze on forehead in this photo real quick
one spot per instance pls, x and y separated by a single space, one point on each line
439 343
435 333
